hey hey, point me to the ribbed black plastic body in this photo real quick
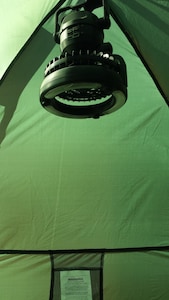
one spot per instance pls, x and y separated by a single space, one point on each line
80 30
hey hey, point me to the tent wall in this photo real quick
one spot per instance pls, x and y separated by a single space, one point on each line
81 184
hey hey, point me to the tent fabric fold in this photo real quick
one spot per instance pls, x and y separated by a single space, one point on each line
146 23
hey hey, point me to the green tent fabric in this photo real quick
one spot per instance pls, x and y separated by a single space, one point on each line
86 195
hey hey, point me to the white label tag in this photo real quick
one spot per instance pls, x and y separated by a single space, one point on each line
75 285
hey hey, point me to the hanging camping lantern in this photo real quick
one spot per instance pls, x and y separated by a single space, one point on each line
87 80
